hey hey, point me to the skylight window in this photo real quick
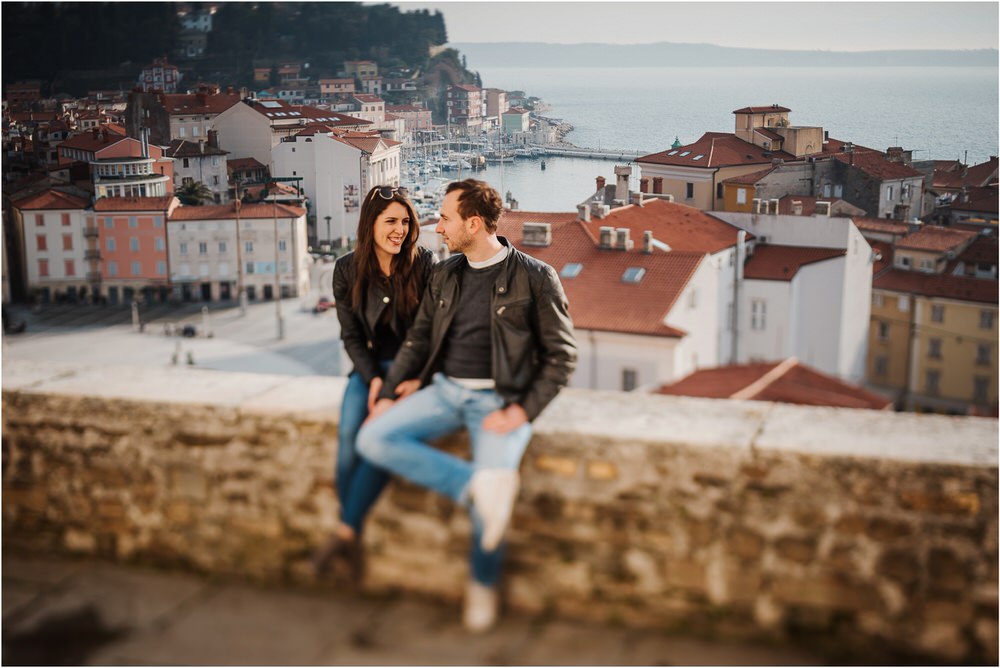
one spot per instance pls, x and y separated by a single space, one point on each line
699 156
633 275
280 113
571 270
270 104
685 153
672 153
294 113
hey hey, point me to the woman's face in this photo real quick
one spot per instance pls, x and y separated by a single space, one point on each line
391 228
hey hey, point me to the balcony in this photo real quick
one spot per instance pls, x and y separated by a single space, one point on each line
91 232
91 255
856 530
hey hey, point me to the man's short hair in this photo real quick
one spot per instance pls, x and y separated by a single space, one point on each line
478 198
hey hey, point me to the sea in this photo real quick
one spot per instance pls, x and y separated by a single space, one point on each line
940 113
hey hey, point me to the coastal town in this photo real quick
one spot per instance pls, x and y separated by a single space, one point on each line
769 261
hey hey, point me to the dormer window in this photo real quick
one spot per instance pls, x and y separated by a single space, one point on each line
633 275
571 270
685 153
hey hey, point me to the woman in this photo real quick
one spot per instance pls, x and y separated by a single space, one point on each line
377 289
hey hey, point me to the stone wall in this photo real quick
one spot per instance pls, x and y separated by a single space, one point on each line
871 533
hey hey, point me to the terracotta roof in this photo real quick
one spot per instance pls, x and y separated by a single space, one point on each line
880 225
876 165
364 143
228 211
51 199
85 141
977 199
715 149
953 174
761 110
365 97
244 163
788 382
781 263
960 288
199 103
983 250
293 113
935 238
134 203
885 252
683 228
182 148
468 88
598 298
770 134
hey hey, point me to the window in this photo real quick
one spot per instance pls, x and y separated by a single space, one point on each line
758 314
934 348
904 261
184 248
136 268
249 267
161 268
157 221
633 275
718 191
43 268
110 245
158 243
109 223
181 131
133 244
223 270
203 269
741 195
903 303
877 299
65 220
980 389
202 248
248 246
112 268
629 378
986 319
70 267
39 220
888 193
933 380
883 331
881 366
690 190
282 245
41 242
67 241
222 246
133 221
838 190
187 163
927 265
983 354
937 313
215 180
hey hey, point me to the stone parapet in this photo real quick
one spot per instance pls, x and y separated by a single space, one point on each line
871 532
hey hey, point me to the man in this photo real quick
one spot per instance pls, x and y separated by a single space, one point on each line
492 345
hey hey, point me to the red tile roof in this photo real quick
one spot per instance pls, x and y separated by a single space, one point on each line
879 225
85 141
228 211
598 298
960 288
51 199
788 382
935 238
876 165
364 143
770 134
885 252
977 199
244 163
781 263
715 149
752 178
198 103
293 113
134 203
365 97
761 110
983 250
682 227
182 148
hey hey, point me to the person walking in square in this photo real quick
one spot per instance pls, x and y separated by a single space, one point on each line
492 345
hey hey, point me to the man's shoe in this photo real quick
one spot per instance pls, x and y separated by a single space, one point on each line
346 551
493 492
481 603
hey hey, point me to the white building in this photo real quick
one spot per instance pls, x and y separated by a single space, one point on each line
211 256
806 292
201 161
337 170
54 244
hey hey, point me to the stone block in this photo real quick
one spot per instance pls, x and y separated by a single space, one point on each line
78 540
602 470
945 570
644 567
206 434
799 550
686 574
887 529
850 525
180 512
188 482
901 565
745 544
33 498
953 503
985 631
823 591
942 611
943 639
561 466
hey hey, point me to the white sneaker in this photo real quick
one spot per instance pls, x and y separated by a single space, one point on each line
481 602
493 492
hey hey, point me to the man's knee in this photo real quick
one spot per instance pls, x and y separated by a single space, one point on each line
369 442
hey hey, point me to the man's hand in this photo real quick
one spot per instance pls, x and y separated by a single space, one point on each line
381 406
373 390
407 387
504 420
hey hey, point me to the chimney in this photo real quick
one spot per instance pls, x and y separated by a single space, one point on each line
636 198
229 90
622 241
202 99
622 174
647 242
583 211
796 207
606 237
537 234
600 182
644 184
657 185
213 138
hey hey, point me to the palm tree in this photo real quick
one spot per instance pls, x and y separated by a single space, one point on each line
194 193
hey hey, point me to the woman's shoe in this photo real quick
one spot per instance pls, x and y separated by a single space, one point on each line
347 551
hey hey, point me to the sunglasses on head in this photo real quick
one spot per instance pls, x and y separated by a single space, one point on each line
388 192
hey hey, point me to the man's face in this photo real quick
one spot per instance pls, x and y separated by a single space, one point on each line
452 227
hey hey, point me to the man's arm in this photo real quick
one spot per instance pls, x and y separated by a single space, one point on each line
412 355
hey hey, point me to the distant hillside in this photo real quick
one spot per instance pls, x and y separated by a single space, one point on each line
666 54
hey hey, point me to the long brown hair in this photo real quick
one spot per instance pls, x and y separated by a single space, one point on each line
407 284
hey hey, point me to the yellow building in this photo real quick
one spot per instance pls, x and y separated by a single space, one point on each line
933 340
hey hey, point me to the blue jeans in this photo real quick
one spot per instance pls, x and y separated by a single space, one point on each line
359 483
397 442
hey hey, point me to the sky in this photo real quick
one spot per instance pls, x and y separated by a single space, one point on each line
828 26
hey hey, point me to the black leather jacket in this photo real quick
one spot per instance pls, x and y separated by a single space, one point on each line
358 330
534 349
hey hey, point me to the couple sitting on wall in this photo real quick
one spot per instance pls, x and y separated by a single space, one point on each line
482 340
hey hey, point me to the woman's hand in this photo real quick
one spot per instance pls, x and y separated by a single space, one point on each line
407 387
381 406
373 390
504 420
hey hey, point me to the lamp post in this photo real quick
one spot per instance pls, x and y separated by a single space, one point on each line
327 218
